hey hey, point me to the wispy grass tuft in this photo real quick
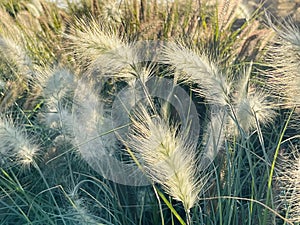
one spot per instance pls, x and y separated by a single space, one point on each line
90 39
16 55
287 184
214 136
16 147
168 159
56 86
198 68
283 58
252 106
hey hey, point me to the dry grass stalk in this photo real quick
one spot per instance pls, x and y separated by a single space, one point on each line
288 180
283 58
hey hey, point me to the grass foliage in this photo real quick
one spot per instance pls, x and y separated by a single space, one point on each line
91 134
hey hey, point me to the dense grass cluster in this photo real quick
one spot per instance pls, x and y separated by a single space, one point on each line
148 112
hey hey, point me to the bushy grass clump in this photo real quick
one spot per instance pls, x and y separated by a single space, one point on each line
148 112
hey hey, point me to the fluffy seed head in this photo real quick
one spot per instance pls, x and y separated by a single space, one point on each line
90 40
214 136
80 211
255 107
55 83
251 106
287 30
213 85
167 159
15 145
288 181
14 53
57 86
92 125
283 58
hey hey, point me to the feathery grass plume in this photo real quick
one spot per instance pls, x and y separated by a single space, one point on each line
284 60
16 147
57 86
166 157
18 70
103 52
288 184
214 136
94 132
15 54
93 127
213 85
251 106
80 213
116 63
127 63
287 30
254 108
90 39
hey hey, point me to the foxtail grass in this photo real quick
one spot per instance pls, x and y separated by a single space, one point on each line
201 70
166 157
287 184
252 106
16 148
85 129
90 39
283 58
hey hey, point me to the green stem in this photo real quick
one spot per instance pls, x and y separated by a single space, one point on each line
175 213
249 200
269 190
51 194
